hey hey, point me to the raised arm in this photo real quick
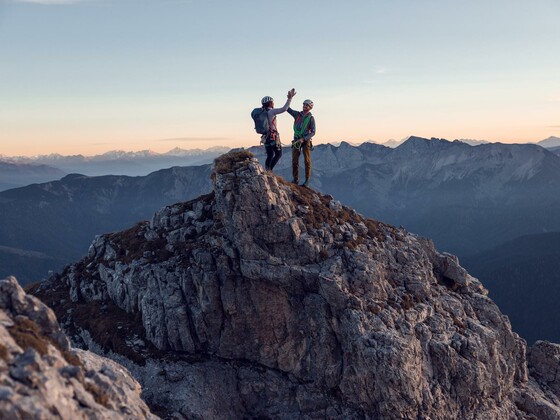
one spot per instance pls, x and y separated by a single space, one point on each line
276 111
292 112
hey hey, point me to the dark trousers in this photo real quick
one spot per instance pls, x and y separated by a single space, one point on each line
306 149
273 155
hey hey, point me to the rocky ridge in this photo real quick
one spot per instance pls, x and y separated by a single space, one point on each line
42 377
267 299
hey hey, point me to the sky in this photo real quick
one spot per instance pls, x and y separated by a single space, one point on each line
88 76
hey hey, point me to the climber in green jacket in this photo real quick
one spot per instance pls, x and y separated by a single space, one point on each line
304 130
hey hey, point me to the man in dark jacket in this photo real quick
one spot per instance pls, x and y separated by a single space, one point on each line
304 130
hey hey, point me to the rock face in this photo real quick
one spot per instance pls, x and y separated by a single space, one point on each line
41 378
267 299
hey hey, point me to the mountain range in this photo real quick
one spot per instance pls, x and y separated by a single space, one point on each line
18 174
20 171
547 143
468 199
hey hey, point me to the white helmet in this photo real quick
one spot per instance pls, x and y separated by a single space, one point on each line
266 100
308 102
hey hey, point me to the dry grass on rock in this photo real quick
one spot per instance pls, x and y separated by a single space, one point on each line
232 161
319 213
99 395
111 334
26 333
3 352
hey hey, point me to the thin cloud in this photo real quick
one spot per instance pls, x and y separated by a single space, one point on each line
556 127
192 139
379 71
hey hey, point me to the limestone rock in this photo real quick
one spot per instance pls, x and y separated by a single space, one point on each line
544 364
294 306
42 377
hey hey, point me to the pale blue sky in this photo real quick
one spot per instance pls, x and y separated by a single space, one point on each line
92 75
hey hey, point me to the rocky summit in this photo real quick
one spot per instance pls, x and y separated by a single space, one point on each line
41 377
264 299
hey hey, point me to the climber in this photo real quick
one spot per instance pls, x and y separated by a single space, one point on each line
304 130
271 138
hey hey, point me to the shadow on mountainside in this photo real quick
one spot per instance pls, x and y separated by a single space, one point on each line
523 277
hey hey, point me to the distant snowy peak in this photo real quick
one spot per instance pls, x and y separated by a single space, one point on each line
116 154
178 152
392 143
121 154
116 162
344 143
420 143
53 157
473 142
550 142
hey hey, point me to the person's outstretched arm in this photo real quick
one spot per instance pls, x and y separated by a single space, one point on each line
276 111
292 112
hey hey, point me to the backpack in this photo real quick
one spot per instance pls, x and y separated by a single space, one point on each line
260 117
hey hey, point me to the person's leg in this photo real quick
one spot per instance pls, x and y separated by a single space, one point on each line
307 160
277 155
269 156
295 165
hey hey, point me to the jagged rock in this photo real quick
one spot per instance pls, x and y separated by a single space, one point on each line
294 306
42 377
543 359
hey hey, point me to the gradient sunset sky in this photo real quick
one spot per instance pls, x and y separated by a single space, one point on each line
88 76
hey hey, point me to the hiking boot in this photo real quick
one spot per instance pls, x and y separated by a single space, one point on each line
306 183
